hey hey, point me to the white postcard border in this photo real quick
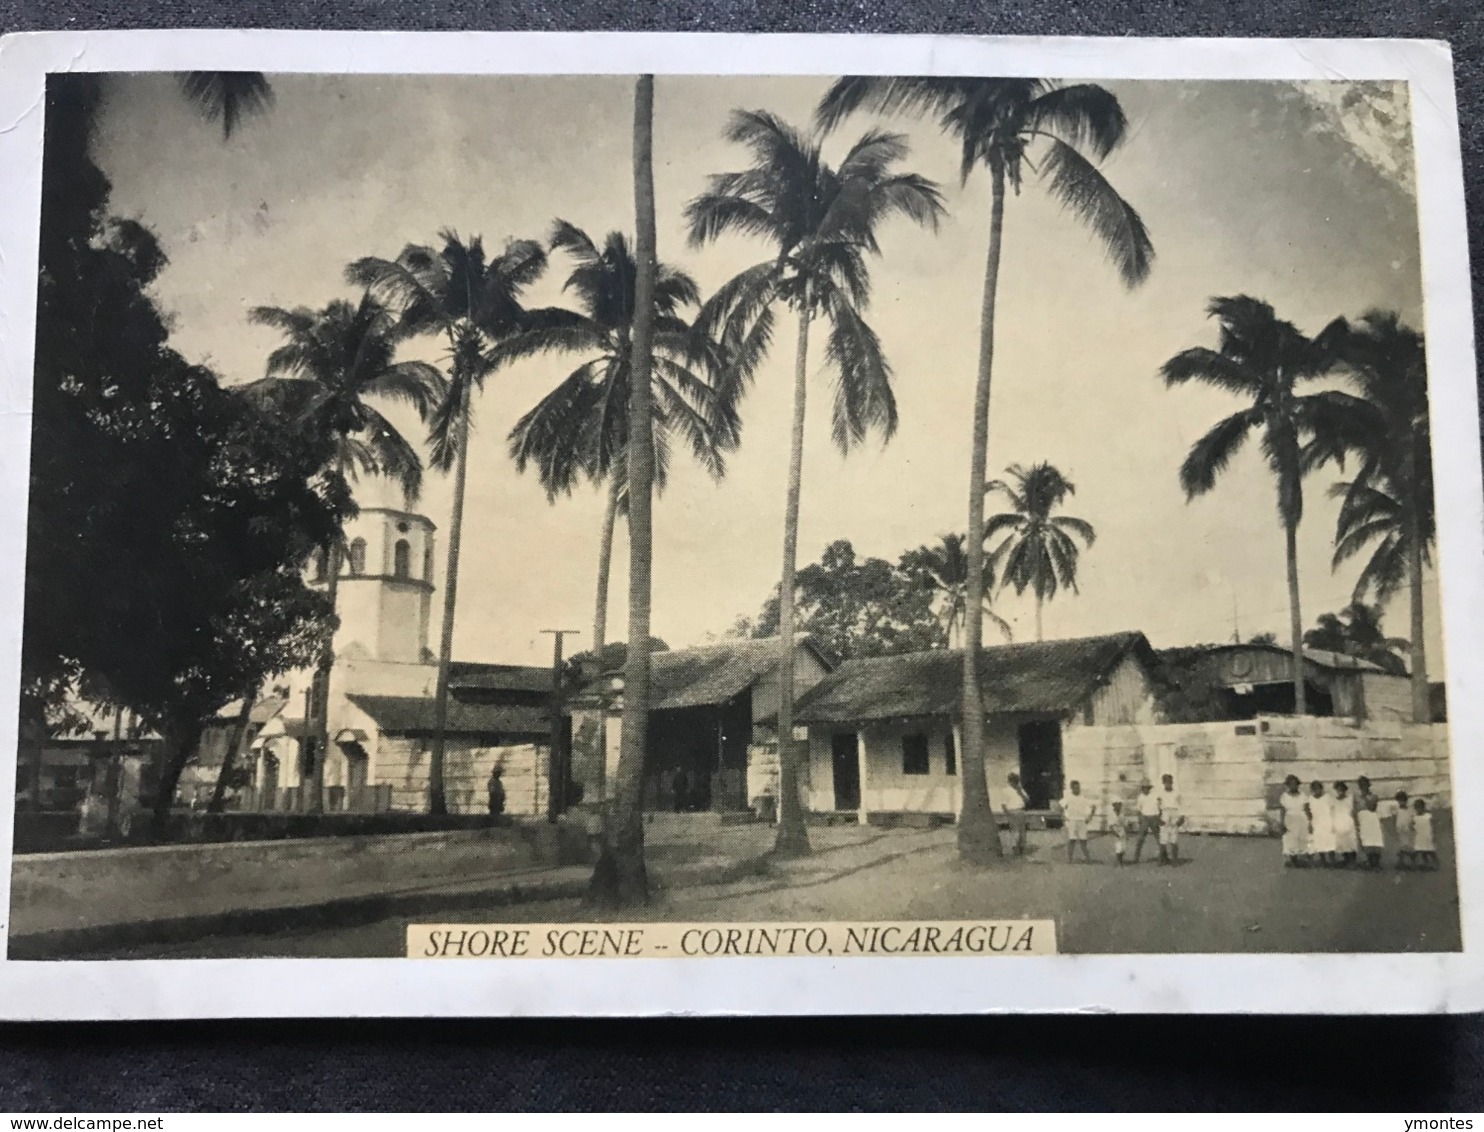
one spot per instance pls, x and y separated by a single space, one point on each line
1097 984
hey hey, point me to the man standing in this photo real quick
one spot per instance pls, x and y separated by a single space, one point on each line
1170 821
1148 818
497 792
1013 805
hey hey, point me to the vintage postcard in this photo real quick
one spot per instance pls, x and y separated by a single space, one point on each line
736 524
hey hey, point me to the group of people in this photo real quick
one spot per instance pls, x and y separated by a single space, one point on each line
1156 813
1341 829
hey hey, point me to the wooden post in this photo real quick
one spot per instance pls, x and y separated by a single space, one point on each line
863 762
556 773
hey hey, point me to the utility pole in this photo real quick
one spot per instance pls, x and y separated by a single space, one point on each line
307 754
556 774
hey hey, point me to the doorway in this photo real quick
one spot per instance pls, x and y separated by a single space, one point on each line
847 768
1040 762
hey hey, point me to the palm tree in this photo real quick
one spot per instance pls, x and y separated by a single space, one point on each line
227 96
1356 631
333 366
821 222
1264 359
1389 505
1039 551
456 293
1008 126
620 877
581 428
944 568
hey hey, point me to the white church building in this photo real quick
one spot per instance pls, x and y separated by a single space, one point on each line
382 688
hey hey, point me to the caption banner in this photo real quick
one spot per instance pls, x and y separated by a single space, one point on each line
716 941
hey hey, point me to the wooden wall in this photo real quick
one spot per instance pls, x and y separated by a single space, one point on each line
1230 774
403 763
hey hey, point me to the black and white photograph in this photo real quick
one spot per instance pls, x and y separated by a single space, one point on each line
733 516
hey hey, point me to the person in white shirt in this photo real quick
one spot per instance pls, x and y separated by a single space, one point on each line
1347 843
1077 810
1013 802
1321 826
1118 828
1170 821
1295 823
1403 820
1424 851
1148 806
1372 840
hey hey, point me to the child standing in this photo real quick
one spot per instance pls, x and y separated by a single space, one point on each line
1321 826
1372 840
1423 848
1403 820
1347 841
1170 821
1118 828
1295 823
1077 811
1148 805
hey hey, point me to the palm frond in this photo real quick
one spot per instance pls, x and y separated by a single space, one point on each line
1210 455
1086 193
1083 115
227 96
863 395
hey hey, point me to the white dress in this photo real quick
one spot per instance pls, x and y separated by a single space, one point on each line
1346 838
1322 824
1422 834
1295 824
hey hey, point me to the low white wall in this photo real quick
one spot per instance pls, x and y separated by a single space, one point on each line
91 888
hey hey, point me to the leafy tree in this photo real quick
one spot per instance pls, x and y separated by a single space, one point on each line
1265 360
1264 638
620 877
821 223
1039 550
1007 126
944 569
1388 511
196 508
1356 631
457 293
580 429
858 607
326 378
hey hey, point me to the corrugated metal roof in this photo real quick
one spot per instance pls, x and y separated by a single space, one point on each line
1324 658
404 715
503 677
1040 676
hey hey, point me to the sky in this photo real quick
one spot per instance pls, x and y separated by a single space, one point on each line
1300 196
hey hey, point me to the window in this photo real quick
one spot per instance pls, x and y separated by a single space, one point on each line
358 556
950 755
915 754
1089 716
402 559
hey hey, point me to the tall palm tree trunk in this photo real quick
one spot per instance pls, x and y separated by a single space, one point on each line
233 751
1040 604
1421 690
620 878
322 675
1295 620
437 801
978 837
600 627
793 836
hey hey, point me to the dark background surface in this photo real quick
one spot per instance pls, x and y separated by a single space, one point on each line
1393 1064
